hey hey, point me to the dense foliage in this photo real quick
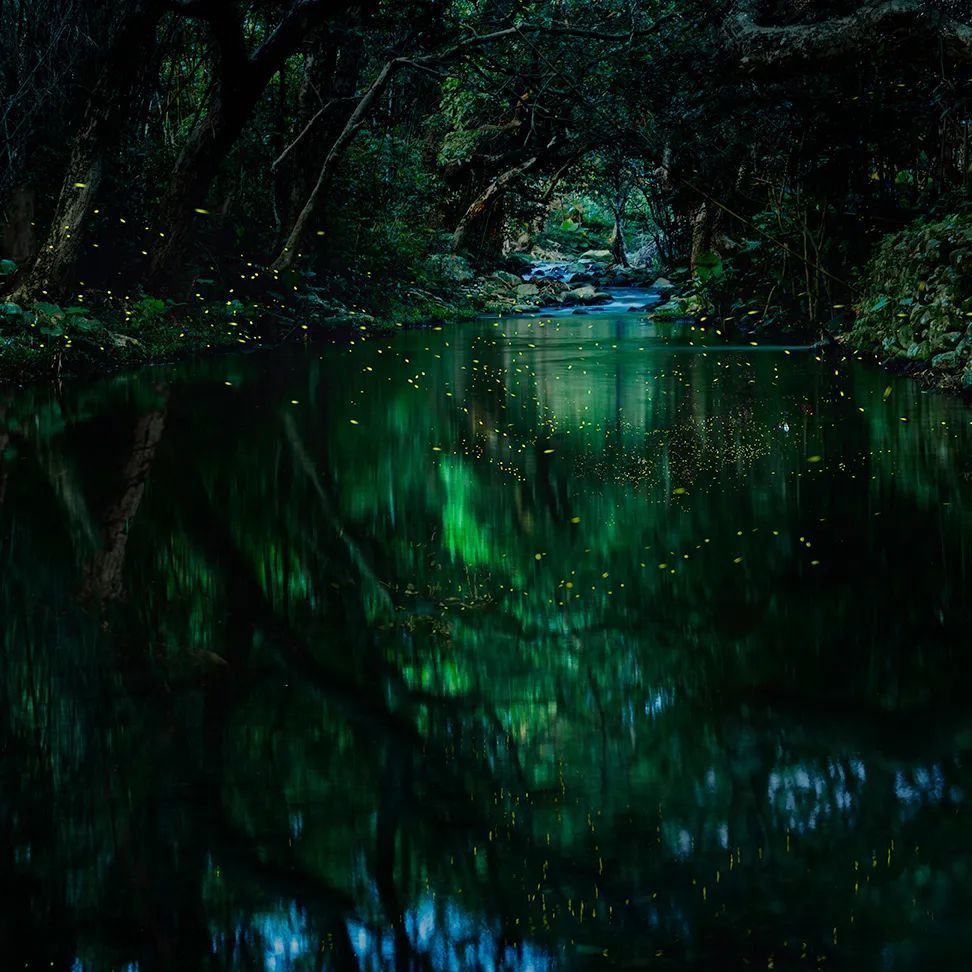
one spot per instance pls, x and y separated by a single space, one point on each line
916 297
313 160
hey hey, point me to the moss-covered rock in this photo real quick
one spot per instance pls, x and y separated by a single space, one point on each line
947 361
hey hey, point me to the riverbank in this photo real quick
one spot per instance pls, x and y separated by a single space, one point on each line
50 341
102 333
923 372
106 334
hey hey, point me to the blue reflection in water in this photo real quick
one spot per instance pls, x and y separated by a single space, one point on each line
448 938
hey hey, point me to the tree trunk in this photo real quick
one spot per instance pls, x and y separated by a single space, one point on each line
200 160
539 222
331 77
242 81
316 81
19 240
705 224
357 118
618 255
101 129
480 218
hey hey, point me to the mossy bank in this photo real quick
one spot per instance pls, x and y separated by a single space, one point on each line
915 303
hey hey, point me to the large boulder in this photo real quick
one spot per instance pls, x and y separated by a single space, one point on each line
600 255
505 279
519 263
450 267
586 295
527 290
948 361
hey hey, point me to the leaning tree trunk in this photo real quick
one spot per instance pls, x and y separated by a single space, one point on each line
198 164
101 129
290 249
242 81
878 29
326 101
481 218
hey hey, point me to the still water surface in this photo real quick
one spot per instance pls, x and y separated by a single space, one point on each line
513 645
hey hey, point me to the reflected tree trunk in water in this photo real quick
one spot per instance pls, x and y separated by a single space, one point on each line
4 442
356 555
62 475
602 720
103 577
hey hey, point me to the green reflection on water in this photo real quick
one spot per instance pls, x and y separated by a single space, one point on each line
526 644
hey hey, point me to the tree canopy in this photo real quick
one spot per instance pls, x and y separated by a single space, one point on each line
156 144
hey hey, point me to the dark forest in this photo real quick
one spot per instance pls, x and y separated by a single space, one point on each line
485 484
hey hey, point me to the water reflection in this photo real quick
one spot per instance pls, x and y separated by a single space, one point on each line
529 645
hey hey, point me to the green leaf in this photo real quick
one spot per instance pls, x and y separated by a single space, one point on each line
87 325
7 267
708 266
48 310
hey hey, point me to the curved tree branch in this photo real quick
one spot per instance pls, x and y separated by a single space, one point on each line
800 46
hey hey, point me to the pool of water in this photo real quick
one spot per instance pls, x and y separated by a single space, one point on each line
526 644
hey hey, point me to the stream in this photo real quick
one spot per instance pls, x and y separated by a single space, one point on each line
549 642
